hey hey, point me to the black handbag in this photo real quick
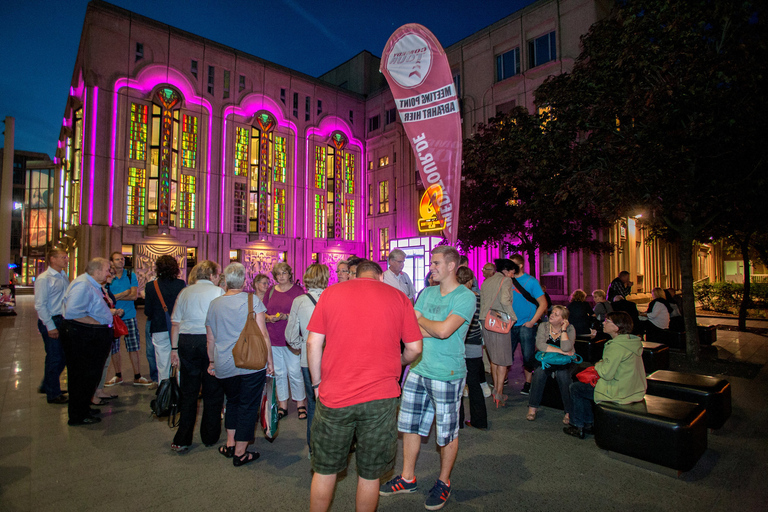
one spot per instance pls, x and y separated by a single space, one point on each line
168 400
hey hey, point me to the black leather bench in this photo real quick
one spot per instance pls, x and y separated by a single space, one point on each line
655 356
590 350
711 392
707 334
662 431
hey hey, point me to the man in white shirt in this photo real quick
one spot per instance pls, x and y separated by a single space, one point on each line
394 276
50 287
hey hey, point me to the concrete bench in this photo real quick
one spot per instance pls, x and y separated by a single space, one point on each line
711 392
655 356
662 431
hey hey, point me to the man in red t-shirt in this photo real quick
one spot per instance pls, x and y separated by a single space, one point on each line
361 322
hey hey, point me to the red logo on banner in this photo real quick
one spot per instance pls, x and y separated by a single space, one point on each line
420 78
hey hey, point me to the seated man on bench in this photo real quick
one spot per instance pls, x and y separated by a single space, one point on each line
622 375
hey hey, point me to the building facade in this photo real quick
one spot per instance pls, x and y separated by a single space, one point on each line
174 144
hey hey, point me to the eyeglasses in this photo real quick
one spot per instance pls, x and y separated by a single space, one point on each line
283 273
342 271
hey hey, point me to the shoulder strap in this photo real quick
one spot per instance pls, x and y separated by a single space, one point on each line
497 293
250 304
271 291
525 293
160 296
311 298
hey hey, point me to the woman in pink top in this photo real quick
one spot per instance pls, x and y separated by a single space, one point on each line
278 301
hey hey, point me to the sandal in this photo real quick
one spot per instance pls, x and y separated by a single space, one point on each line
245 458
100 402
500 399
302 411
179 449
281 413
227 451
531 416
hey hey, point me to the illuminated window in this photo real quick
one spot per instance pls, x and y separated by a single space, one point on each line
508 64
240 208
319 216
279 168
137 143
542 50
189 141
383 161
370 199
187 195
278 212
136 192
349 171
370 165
349 226
320 167
241 151
384 196
77 160
383 243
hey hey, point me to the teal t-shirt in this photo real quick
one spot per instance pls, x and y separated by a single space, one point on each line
444 359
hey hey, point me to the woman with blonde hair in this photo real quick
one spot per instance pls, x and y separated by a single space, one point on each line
261 285
278 300
316 280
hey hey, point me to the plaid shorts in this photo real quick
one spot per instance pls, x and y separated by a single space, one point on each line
425 399
132 339
373 423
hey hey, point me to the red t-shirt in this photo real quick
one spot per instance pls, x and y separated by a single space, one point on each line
363 321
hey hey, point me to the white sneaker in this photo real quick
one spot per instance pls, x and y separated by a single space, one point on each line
486 389
466 391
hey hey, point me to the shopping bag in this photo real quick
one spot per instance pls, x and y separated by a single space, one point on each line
268 413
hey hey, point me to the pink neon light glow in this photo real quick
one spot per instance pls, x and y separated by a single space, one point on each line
250 105
82 147
327 126
93 152
149 78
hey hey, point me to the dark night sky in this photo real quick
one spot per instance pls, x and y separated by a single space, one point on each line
39 40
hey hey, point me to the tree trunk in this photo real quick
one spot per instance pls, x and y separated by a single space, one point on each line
746 298
532 262
689 304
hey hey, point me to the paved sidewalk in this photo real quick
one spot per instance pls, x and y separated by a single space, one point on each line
124 463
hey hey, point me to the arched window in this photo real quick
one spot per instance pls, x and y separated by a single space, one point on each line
162 172
334 203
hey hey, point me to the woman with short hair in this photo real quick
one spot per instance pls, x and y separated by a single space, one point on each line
261 285
342 271
580 313
278 301
621 371
243 387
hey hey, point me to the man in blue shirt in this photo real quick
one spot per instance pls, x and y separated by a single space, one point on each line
50 287
125 288
528 315
86 337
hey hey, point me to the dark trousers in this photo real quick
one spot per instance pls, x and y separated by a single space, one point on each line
655 334
193 356
310 399
55 362
243 402
539 382
86 348
477 411
582 398
150 350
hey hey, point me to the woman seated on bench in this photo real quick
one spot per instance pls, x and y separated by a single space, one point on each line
621 371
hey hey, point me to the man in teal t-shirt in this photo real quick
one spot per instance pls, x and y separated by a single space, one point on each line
435 383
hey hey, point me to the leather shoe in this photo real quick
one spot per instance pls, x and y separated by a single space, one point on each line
467 423
61 399
574 431
84 421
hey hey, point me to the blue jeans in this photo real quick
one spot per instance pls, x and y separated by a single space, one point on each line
150 348
310 399
582 398
526 338
55 362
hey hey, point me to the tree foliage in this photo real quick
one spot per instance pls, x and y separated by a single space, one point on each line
514 192
667 102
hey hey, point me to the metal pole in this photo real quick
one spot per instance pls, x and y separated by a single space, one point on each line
6 200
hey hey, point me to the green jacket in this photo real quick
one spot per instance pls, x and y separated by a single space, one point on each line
621 370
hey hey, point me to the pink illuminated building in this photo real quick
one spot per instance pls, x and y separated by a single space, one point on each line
175 144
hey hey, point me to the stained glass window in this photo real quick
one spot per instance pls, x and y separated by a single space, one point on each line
136 192
279 169
319 216
349 225
319 167
278 212
349 172
189 141
137 144
241 152
187 195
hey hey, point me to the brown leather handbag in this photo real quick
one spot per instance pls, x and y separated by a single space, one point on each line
250 352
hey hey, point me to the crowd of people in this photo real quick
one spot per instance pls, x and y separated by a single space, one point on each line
364 360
